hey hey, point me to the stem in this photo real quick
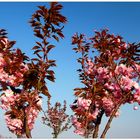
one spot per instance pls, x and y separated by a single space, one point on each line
95 134
86 125
55 134
113 115
99 118
86 130
26 127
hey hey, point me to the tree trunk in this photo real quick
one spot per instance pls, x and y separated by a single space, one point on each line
55 135
22 136
98 122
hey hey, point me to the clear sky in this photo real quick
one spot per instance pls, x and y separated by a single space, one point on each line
121 18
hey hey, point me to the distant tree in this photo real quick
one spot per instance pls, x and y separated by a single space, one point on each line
56 118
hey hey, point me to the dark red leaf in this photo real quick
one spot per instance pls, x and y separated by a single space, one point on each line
37 51
45 91
50 47
35 47
55 37
38 43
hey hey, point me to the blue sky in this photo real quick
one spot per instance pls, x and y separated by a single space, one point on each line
121 18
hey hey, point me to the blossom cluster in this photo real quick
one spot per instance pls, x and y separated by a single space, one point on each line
118 82
12 69
21 105
32 115
8 99
83 103
80 124
82 107
15 119
15 125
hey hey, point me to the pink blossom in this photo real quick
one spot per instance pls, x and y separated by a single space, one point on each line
11 80
3 75
117 94
119 69
15 78
123 70
135 85
89 68
15 125
117 114
102 70
108 80
85 103
137 96
39 103
7 99
137 67
135 108
102 74
109 86
77 125
74 120
94 115
80 132
32 114
125 45
126 83
118 40
108 105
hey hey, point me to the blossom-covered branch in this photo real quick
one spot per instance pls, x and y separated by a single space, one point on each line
22 80
110 75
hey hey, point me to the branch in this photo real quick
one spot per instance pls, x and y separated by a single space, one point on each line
26 127
15 90
97 124
113 114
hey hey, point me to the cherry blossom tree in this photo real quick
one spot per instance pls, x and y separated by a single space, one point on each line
23 79
56 118
109 71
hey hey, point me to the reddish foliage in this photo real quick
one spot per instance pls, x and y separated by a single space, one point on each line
110 75
23 79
